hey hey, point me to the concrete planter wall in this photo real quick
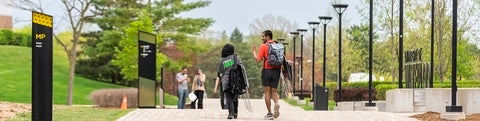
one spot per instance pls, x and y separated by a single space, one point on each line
359 106
432 99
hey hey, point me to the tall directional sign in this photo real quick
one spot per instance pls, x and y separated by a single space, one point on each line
147 56
41 66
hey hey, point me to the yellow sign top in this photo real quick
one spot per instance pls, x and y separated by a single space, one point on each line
42 19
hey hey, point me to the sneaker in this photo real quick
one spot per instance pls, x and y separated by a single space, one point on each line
276 112
230 116
268 116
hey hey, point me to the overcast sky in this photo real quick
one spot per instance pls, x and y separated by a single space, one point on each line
228 14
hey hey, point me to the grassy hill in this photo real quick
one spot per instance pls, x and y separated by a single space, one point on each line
16 74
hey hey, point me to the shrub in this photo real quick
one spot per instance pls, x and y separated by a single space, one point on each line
355 94
8 37
114 97
382 90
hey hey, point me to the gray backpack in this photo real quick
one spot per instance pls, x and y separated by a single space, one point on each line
275 54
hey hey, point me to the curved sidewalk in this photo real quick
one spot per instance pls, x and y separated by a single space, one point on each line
213 112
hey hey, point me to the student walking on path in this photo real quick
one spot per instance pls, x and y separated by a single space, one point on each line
270 75
227 61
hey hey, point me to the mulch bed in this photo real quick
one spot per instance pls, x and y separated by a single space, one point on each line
435 116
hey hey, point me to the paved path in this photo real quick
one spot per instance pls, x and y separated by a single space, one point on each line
213 112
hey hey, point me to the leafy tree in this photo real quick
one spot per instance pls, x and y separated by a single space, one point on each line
236 36
77 12
99 49
127 53
386 20
417 32
358 51
465 59
95 59
115 15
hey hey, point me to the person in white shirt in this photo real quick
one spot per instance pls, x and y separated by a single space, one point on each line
182 79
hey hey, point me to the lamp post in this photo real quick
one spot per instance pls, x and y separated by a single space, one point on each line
454 107
340 8
313 25
400 47
302 32
295 35
298 58
324 20
370 49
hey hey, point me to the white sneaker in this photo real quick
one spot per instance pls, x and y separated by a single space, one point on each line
268 116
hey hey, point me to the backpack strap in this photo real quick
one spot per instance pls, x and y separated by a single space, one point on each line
234 61
265 60
234 58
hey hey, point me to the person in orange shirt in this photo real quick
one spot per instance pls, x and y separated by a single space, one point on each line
270 75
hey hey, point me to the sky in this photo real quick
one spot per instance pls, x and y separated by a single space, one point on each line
227 14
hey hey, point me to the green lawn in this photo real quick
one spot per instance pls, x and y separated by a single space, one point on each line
15 75
306 106
170 99
79 114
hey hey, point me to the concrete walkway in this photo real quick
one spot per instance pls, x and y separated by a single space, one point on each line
213 112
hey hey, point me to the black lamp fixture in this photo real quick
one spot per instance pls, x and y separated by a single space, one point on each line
295 35
324 20
302 32
340 8
313 25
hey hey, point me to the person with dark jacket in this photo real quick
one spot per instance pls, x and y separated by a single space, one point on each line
226 63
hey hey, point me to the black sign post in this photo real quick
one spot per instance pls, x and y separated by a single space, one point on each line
42 66
147 56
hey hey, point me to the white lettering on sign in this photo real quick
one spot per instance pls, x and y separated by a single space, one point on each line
145 50
38 44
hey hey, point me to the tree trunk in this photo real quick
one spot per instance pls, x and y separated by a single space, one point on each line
392 39
113 78
71 79
441 64
73 60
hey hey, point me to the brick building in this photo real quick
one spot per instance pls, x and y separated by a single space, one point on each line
5 22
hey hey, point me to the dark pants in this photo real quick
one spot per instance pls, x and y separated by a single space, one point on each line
232 103
223 102
199 94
